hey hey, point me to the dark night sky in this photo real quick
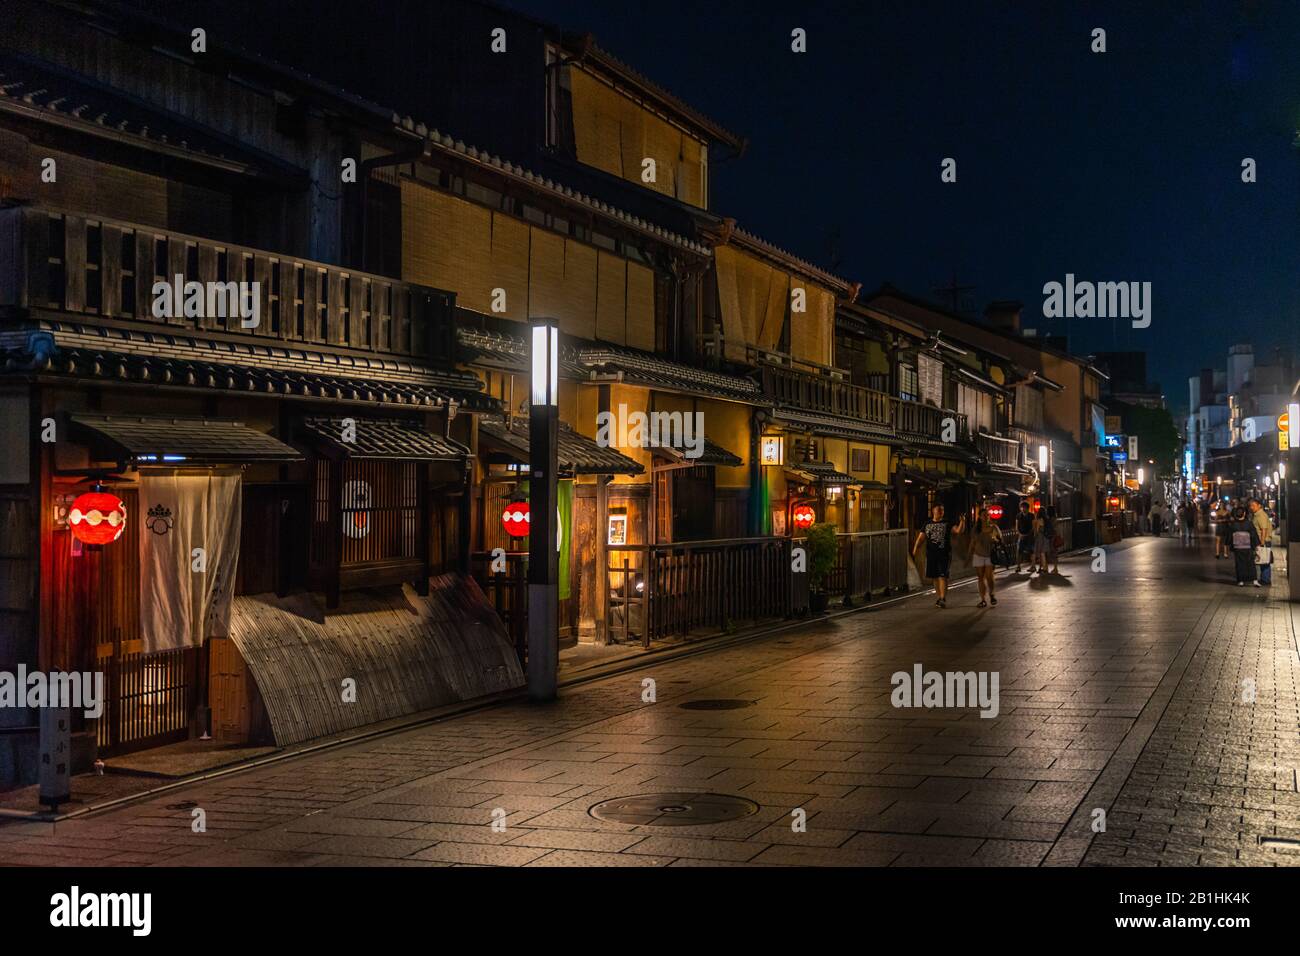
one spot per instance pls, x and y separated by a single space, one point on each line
1119 166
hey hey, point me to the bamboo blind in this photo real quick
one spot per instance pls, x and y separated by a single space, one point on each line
447 243
754 298
613 133
597 115
451 243
640 307
810 332
510 240
611 298
546 275
580 279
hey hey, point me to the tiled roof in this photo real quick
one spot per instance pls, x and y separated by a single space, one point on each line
710 453
581 361
834 426
444 142
251 352
186 368
507 351
646 368
173 440
49 93
384 438
578 454
816 272
822 472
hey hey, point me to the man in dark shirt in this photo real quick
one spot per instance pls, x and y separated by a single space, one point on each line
937 537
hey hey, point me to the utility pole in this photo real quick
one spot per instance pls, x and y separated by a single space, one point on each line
952 291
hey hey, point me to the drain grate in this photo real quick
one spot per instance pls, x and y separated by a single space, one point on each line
674 809
726 703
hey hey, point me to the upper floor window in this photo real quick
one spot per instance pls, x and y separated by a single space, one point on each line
908 384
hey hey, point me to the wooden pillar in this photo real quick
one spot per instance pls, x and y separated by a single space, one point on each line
600 580
336 534
429 514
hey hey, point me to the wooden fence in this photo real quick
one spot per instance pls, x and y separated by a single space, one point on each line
671 590
507 592
869 562
149 699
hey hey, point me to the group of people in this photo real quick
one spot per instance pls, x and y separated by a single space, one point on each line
1036 542
1245 537
1162 517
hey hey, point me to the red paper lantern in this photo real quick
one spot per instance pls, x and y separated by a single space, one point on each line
97 517
515 519
804 516
995 512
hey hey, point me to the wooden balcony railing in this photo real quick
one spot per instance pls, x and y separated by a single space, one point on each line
821 393
1005 452
928 421
103 270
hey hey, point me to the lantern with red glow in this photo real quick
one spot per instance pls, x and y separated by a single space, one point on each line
1113 501
995 512
515 519
803 516
97 517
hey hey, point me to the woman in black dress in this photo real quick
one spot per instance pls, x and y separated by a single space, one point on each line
1243 539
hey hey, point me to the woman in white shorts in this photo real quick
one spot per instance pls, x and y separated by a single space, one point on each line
984 536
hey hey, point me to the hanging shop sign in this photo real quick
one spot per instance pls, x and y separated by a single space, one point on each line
515 519
803 516
772 449
97 517
358 499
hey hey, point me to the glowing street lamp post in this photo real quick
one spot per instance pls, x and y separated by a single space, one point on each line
543 551
1290 490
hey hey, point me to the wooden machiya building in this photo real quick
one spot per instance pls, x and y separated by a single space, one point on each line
283 452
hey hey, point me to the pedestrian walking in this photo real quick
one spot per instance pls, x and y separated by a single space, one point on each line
1264 528
1187 519
1222 546
1024 536
937 538
1156 519
1047 544
1243 539
984 537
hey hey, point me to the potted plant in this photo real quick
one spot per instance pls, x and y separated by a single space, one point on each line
823 551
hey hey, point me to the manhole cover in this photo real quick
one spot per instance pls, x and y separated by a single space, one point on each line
674 809
721 704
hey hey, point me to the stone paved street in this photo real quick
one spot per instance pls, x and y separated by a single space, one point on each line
1120 690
